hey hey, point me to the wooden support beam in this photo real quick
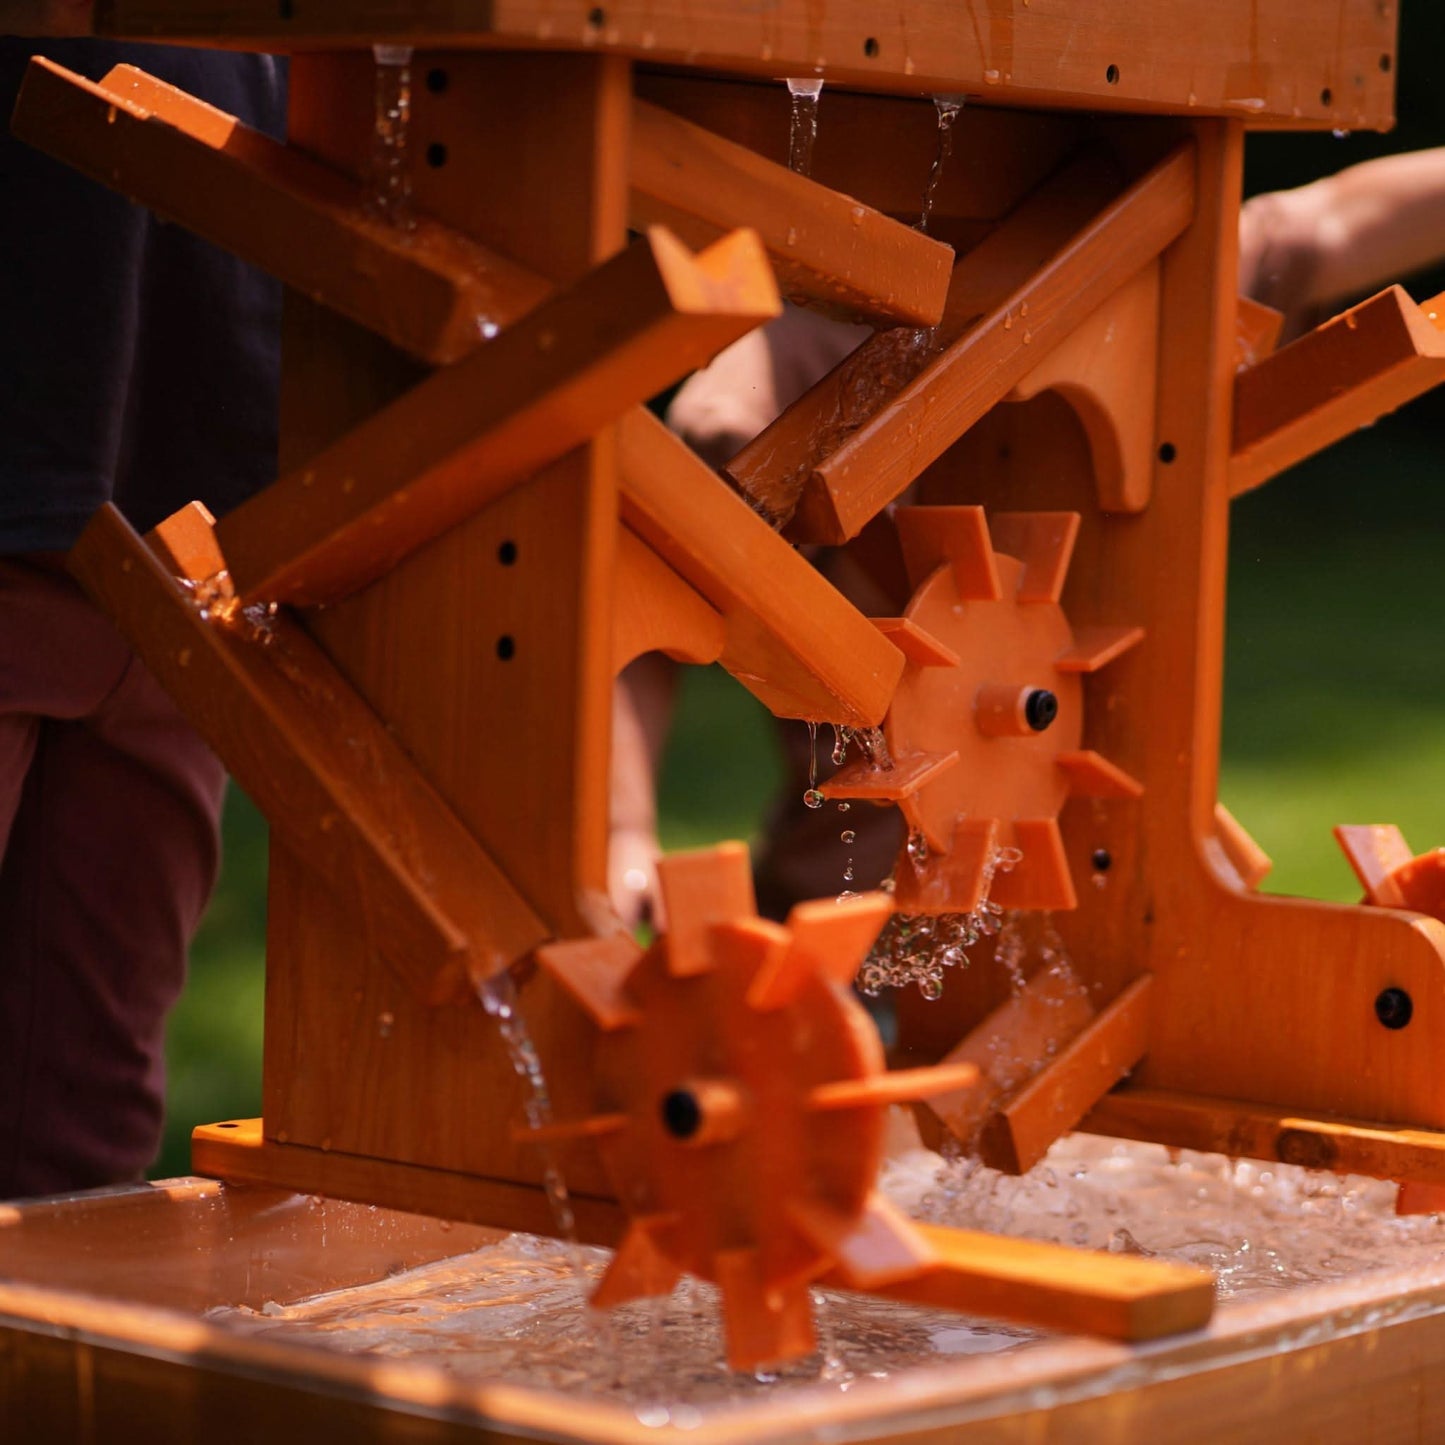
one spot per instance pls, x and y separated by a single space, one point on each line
430 290
1259 61
1051 1104
824 246
1242 1129
468 433
1057 1288
792 639
321 766
238 1152
832 461
1341 376
654 610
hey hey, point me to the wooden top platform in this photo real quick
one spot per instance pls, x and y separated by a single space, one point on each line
1274 63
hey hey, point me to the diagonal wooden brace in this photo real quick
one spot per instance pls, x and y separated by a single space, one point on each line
829 463
470 432
429 290
824 246
792 639
1341 376
326 772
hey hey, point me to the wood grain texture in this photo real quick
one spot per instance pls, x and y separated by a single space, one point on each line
471 431
829 464
323 768
825 246
1262 61
1242 1129
792 639
428 290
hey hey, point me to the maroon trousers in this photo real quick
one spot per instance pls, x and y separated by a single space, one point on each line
109 846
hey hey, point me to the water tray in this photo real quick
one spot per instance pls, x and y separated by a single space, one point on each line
192 1310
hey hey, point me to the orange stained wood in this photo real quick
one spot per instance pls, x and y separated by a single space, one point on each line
1233 854
321 766
824 246
1051 1103
1266 62
792 639
239 1152
1013 298
1256 332
1098 371
489 651
1390 874
1341 376
1009 1048
655 610
428 289
881 148
469 432
1060 1288
1241 1128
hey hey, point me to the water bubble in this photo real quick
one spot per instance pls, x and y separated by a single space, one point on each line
917 849
848 835
813 798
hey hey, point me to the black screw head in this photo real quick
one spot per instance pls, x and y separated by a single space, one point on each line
681 1113
1394 1008
1041 707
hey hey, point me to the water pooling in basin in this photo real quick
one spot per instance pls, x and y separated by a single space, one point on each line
514 1311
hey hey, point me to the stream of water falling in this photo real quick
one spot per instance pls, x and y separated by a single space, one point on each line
388 195
948 108
803 124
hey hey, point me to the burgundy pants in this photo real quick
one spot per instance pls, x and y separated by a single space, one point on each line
109 806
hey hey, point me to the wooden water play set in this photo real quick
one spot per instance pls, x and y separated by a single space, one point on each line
404 650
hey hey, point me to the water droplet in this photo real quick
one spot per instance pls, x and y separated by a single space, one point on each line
848 835
844 807
991 77
917 849
813 798
803 123
931 988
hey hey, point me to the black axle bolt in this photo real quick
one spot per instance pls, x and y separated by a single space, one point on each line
1394 1007
681 1113
1041 707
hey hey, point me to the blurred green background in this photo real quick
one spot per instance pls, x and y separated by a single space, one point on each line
1334 709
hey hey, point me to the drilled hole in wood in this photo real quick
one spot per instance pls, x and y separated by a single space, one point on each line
507 554
436 155
1327 96
870 47
286 9
1167 452
1385 63
1112 75
437 80
506 647
597 18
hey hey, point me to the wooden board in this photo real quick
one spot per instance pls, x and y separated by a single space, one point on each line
1262 61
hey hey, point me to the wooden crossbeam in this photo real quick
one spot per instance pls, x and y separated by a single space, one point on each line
1341 376
469 432
1258 61
1254 1130
431 291
1057 1288
330 777
830 463
792 639
824 245
1051 1103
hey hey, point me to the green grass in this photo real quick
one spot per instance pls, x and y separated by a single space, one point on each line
1334 713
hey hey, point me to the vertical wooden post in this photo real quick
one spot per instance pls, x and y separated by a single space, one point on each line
488 651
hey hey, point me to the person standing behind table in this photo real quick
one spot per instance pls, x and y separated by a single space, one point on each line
140 365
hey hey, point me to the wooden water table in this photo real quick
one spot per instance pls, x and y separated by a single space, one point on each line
404 649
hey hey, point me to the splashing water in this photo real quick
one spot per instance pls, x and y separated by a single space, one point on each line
948 108
803 124
919 948
870 742
389 180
